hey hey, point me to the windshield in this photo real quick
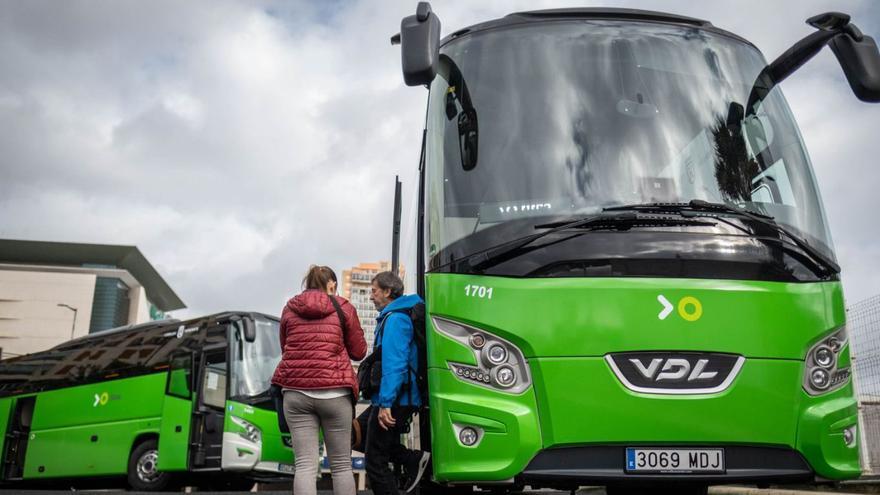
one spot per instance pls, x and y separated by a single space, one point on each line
561 119
253 363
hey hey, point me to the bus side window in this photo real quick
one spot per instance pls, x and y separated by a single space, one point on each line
180 376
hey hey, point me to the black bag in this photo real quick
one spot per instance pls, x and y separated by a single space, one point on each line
417 315
277 395
369 374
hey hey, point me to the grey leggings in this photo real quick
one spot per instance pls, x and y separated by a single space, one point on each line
304 416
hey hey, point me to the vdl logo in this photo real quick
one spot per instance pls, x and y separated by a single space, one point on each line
689 308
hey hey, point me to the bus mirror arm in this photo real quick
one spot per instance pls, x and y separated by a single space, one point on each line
856 52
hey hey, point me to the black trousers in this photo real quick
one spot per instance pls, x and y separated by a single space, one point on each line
383 446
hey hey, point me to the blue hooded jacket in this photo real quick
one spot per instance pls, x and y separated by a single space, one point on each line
400 357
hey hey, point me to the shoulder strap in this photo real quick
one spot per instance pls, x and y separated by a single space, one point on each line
380 328
339 312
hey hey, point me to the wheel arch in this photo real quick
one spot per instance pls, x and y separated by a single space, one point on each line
142 437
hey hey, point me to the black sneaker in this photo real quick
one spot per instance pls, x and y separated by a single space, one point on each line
415 471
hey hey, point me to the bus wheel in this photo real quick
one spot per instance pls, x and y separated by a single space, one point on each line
143 469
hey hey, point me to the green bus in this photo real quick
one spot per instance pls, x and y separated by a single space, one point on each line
166 402
627 269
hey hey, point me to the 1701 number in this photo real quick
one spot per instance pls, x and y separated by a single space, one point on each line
480 291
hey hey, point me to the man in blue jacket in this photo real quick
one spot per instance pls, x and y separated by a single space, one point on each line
398 398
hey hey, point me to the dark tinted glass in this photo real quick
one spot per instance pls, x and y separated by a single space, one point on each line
565 118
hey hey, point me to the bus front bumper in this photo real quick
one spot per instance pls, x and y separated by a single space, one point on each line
573 466
564 430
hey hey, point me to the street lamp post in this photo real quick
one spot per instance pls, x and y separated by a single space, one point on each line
72 328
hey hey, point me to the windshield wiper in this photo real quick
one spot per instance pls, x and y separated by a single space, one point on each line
693 205
620 221
698 207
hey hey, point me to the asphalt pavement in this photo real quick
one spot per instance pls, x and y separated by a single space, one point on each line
719 490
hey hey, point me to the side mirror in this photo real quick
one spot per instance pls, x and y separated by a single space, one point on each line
420 45
860 61
857 54
468 138
250 329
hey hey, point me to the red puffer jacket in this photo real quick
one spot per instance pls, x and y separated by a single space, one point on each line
316 352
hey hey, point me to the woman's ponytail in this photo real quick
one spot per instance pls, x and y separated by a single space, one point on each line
318 277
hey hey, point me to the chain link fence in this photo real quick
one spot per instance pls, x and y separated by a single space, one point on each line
863 326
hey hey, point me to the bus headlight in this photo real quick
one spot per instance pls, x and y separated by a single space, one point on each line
824 356
820 379
822 373
500 365
468 436
505 376
251 433
496 354
849 436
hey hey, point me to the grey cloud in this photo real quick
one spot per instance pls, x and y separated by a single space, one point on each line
238 142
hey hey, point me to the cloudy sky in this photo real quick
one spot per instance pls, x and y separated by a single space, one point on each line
236 142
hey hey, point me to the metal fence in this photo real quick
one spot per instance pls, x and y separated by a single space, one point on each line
863 326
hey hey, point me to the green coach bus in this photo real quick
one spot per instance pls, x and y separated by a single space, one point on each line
153 402
628 273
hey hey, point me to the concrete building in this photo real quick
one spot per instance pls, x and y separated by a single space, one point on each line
356 288
51 292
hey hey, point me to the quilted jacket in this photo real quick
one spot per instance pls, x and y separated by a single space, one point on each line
316 351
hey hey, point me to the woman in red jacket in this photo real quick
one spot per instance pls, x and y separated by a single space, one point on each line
320 336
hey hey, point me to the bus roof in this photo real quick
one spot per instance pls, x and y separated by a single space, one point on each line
591 13
161 323
117 353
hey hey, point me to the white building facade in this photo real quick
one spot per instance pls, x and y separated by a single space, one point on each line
52 292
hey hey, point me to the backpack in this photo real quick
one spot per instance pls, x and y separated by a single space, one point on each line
417 315
369 374
370 369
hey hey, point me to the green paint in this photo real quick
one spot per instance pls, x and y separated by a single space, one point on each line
84 405
565 327
511 441
5 418
75 432
174 444
273 448
70 451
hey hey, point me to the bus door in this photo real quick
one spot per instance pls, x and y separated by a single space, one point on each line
17 434
208 415
177 414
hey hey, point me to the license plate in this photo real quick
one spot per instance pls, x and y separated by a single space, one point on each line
285 468
674 460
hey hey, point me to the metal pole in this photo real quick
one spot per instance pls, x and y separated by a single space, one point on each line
73 327
395 231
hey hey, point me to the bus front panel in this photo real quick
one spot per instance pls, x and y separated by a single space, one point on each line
610 367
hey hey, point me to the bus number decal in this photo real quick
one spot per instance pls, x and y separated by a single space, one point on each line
479 291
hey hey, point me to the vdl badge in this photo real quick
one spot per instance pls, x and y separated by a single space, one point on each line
674 460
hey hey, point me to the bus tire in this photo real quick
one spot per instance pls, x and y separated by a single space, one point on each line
143 473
